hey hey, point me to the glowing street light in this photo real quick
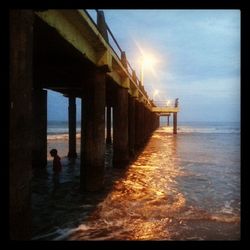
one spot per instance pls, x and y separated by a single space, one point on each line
167 103
148 61
156 92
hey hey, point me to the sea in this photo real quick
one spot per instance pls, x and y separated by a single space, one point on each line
184 187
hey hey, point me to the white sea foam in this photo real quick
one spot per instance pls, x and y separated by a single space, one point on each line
63 234
204 130
213 130
61 136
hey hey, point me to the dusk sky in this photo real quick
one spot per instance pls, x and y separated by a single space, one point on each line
197 54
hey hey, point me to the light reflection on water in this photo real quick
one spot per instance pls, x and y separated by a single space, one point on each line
163 197
181 187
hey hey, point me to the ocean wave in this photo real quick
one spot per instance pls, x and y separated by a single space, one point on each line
219 216
60 130
206 130
61 136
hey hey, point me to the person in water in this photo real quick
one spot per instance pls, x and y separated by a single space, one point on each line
57 166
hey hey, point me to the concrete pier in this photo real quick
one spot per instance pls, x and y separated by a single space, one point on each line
141 124
120 128
93 134
131 124
72 127
108 124
65 51
101 24
157 121
175 123
20 141
137 125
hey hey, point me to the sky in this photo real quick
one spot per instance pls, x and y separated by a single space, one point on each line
197 54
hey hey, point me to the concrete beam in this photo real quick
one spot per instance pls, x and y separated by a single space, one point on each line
165 109
105 58
67 23
76 27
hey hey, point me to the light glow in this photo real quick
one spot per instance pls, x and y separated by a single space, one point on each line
148 61
156 92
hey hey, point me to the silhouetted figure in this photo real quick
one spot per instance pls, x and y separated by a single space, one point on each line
176 102
57 166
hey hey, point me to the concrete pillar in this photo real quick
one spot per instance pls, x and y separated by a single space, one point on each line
145 125
151 121
102 26
168 120
137 125
175 123
20 133
93 134
39 151
148 123
131 124
72 127
158 121
108 120
141 124
120 129
154 122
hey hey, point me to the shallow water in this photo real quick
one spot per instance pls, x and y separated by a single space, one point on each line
181 187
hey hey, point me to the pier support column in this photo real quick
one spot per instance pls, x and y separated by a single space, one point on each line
120 129
144 125
39 152
175 123
157 121
93 134
72 127
168 120
108 136
131 127
137 125
20 133
141 124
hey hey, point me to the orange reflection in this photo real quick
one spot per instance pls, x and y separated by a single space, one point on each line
142 204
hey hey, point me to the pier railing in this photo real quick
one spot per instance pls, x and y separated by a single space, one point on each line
168 103
121 57
166 107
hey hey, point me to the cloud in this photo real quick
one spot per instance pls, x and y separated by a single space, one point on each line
199 51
